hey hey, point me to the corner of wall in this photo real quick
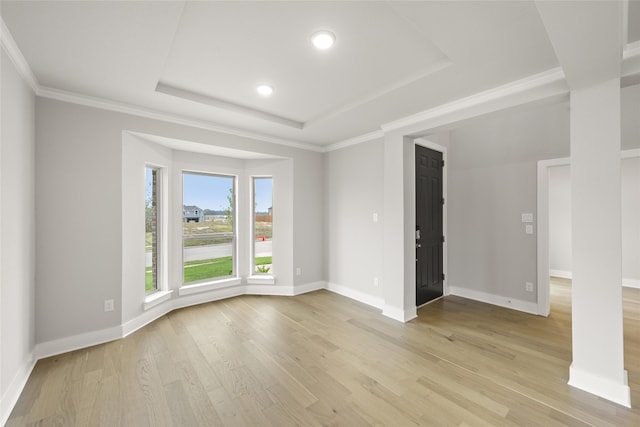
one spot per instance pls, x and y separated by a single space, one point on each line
17 384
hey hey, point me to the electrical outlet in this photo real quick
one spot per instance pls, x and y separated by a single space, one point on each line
528 229
527 217
528 286
375 282
108 305
298 271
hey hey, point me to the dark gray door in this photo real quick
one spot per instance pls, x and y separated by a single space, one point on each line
429 236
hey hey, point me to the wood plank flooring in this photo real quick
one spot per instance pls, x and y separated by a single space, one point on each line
322 359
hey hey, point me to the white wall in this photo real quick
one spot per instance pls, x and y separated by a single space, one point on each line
17 222
79 159
560 221
492 181
353 183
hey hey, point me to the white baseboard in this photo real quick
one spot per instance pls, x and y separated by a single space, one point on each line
88 339
279 290
353 294
564 274
12 394
309 287
631 283
515 304
399 314
146 317
75 342
275 290
611 390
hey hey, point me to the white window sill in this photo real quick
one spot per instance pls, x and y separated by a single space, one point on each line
156 298
261 279
208 286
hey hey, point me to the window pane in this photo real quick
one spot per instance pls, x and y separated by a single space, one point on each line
263 225
208 228
151 228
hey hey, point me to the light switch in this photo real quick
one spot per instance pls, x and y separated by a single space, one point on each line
528 229
375 217
527 217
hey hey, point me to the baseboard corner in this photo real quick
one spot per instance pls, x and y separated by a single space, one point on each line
10 397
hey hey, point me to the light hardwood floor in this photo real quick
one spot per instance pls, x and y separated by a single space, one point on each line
322 359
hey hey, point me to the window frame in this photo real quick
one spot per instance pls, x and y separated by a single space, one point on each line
204 284
252 231
160 284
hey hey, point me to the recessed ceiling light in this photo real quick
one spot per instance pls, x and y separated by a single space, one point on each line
323 39
264 90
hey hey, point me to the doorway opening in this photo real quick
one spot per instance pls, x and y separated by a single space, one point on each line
553 261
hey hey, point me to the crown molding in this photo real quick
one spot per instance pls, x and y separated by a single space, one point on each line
532 86
377 134
120 107
13 52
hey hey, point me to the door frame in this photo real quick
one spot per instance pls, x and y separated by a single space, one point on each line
442 149
544 300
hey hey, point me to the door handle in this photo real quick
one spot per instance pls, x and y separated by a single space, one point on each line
418 245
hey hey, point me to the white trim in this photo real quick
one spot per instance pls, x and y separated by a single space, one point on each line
160 310
628 154
499 300
261 280
64 345
631 283
260 289
563 274
356 295
544 303
156 298
209 286
611 390
536 85
371 136
537 81
75 342
308 287
146 317
399 314
12 394
13 52
120 107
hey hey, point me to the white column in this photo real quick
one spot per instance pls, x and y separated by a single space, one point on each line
598 348
393 284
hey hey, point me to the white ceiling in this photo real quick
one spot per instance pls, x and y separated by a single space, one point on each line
391 59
